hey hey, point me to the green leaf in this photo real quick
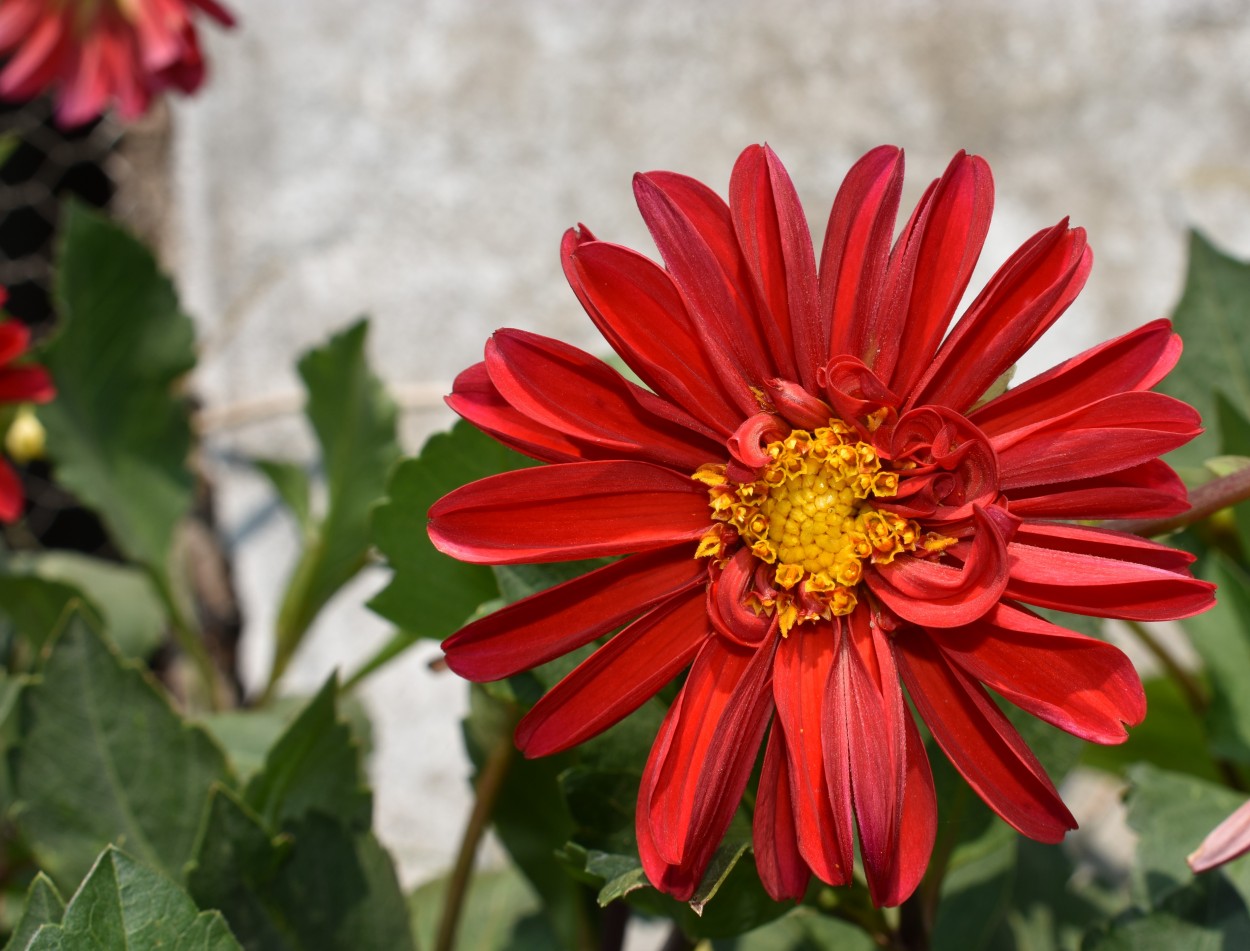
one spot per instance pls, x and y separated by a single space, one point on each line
104 758
319 886
291 483
1172 813
1172 737
431 595
1211 318
501 912
44 906
128 607
802 929
314 766
1048 911
122 904
530 816
35 607
248 735
354 420
1234 430
1206 915
118 433
1222 638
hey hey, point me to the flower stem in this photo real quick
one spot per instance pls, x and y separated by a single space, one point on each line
1193 692
1205 500
485 794
1189 686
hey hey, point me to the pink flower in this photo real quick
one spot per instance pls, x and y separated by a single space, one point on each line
100 52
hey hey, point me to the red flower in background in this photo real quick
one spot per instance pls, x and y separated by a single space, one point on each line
101 52
817 511
18 384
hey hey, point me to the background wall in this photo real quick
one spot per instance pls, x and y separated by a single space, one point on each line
419 161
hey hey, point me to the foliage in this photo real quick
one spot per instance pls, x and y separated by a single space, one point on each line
139 813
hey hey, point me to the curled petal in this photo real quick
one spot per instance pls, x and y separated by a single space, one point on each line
936 440
980 742
12 497
726 602
565 512
1084 686
930 593
747 444
553 622
858 396
797 406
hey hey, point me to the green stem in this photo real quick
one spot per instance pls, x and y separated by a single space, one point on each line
485 794
189 639
1191 689
1189 685
1205 500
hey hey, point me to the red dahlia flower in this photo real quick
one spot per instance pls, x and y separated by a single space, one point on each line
97 52
18 384
817 511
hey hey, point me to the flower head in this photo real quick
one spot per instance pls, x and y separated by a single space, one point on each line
22 383
819 508
98 53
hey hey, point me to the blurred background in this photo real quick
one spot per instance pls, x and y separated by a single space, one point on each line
419 162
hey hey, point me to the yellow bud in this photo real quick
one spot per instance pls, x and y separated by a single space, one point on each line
26 438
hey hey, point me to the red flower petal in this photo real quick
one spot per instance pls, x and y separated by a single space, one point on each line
720 719
980 742
1077 683
616 679
930 267
822 813
1115 433
1103 574
28 384
1135 361
1151 490
14 339
693 230
928 592
641 314
12 498
553 622
772 231
475 398
1020 302
853 262
782 870
572 392
570 511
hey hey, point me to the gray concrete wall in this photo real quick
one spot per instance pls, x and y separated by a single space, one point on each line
420 160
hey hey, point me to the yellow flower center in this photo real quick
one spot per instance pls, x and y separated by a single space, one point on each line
810 515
